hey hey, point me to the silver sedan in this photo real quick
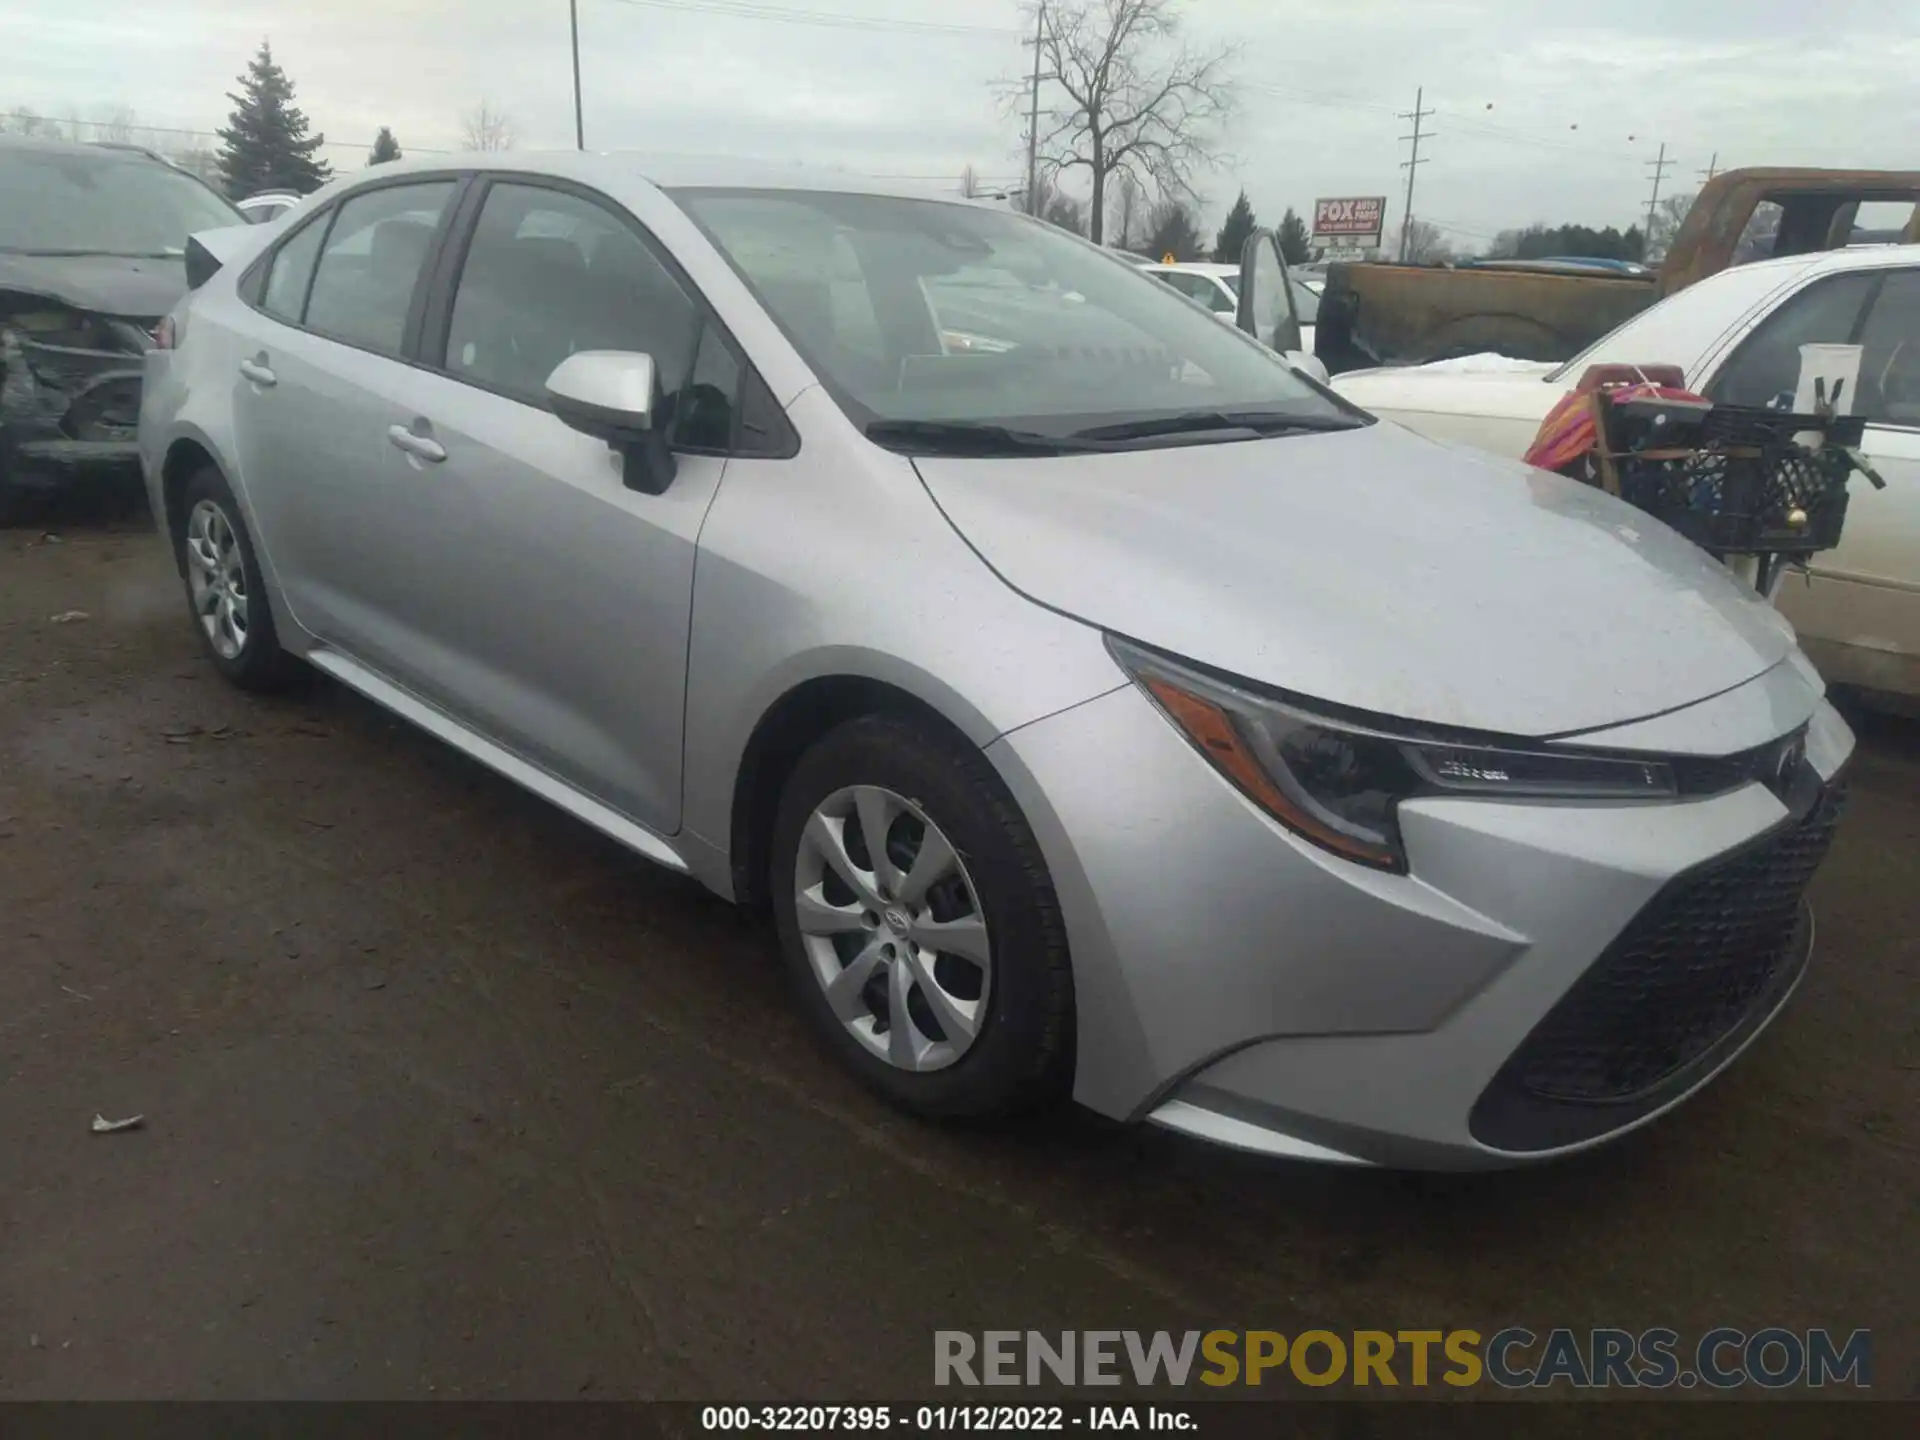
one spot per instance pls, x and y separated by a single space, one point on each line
1103 707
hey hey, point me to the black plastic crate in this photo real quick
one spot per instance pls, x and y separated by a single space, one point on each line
1784 501
1735 479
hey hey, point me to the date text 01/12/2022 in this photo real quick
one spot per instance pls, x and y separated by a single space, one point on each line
940 1419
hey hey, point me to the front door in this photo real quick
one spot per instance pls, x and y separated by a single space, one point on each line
1858 613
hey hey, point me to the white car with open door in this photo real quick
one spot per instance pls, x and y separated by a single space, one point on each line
1737 337
1218 288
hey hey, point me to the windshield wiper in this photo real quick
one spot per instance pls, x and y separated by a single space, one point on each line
972 437
92 254
1193 422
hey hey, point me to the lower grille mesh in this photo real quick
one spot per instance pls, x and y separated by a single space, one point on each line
1683 975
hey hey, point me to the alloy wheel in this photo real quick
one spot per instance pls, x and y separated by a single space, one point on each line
893 928
217 579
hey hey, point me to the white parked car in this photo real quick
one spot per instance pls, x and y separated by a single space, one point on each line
1737 336
1218 288
268 206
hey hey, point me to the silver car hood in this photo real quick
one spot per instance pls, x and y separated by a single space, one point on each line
1374 569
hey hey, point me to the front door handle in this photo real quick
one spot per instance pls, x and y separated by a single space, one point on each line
258 373
421 447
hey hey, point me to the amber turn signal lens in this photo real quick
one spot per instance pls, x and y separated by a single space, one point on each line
1212 731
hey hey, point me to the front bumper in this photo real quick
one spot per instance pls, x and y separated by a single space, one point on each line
1236 983
66 414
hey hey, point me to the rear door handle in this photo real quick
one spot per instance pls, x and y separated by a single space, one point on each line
421 447
259 374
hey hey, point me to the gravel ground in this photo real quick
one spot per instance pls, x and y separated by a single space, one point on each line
447 1095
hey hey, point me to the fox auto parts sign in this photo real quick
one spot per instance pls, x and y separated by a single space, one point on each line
1352 221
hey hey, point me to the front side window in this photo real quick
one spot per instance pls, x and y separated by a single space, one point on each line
371 262
1766 367
286 293
987 318
549 274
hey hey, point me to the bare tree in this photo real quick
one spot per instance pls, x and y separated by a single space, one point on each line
1426 243
484 128
1123 93
114 124
1066 212
1668 216
1129 211
24 120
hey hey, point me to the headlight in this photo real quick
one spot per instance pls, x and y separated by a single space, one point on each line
1340 784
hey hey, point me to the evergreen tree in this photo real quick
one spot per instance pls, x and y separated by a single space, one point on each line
1295 247
385 148
265 145
1174 232
1232 240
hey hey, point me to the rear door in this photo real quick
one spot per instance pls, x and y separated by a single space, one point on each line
319 364
549 605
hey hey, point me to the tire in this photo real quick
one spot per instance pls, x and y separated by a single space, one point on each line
215 552
1020 1054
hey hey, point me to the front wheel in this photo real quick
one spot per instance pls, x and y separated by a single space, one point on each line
916 915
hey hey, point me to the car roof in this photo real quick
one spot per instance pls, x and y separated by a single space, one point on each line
1851 257
47 145
671 172
1196 267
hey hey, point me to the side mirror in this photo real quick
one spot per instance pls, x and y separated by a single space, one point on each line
1309 365
610 395
1266 294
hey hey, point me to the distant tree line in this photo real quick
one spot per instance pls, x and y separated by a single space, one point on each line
1540 242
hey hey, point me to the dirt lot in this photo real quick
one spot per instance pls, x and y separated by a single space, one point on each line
447 1095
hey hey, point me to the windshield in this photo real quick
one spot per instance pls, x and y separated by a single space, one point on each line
101 202
922 311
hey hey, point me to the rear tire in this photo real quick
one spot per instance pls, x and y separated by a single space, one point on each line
225 594
957 930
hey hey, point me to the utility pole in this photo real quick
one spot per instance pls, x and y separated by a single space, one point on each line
1713 167
1033 115
1659 168
579 121
1418 115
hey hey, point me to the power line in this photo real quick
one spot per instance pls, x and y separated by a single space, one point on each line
1412 165
752 10
141 127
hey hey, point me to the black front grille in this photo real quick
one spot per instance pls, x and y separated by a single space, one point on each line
1707 958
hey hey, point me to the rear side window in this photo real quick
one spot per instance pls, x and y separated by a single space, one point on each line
1767 364
371 264
286 292
1890 353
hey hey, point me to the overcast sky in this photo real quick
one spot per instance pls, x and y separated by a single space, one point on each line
1548 110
